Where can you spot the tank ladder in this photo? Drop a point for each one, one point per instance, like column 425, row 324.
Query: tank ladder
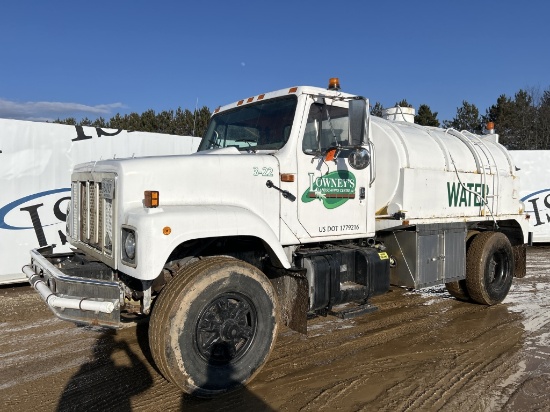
column 491, row 168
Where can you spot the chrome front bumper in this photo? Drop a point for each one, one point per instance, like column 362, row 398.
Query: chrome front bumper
column 83, row 300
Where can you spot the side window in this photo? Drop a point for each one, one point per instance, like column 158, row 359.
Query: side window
column 327, row 126
column 312, row 143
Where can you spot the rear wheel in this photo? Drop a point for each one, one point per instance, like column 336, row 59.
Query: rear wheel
column 458, row 289
column 489, row 268
column 214, row 326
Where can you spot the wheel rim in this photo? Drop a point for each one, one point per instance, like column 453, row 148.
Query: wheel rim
column 226, row 328
column 498, row 267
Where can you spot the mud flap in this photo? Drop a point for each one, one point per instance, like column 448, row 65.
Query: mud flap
column 292, row 293
column 520, row 261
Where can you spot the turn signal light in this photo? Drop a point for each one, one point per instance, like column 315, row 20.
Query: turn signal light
column 151, row 198
column 287, row 177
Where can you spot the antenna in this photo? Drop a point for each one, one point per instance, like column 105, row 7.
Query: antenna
column 195, row 116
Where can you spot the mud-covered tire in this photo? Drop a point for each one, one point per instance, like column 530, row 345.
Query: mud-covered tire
column 489, row 268
column 458, row 290
column 213, row 326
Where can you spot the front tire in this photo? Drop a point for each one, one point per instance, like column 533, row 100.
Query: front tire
column 489, row 268
column 214, row 326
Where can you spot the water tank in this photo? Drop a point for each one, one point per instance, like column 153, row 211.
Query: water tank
column 422, row 171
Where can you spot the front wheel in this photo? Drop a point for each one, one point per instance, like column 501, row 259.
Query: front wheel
column 489, row 268
column 214, row 326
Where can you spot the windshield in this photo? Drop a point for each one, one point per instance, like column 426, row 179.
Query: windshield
column 259, row 126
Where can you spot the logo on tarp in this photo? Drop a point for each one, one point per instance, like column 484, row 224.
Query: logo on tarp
column 540, row 200
column 333, row 189
column 12, row 214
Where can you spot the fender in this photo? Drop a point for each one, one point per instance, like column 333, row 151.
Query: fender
column 153, row 246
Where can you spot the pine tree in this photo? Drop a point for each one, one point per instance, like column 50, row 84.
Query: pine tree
column 201, row 120
column 403, row 103
column 517, row 121
column 525, row 121
column 426, row 117
column 543, row 120
column 467, row 118
column 100, row 122
column 376, row 110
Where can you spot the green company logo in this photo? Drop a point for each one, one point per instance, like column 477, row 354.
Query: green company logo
column 460, row 197
column 333, row 189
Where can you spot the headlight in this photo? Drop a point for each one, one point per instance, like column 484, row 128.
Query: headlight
column 128, row 241
column 130, row 245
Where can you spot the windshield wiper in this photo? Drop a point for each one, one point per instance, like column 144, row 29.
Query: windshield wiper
column 248, row 140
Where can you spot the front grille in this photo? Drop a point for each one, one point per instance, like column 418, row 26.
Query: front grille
column 93, row 213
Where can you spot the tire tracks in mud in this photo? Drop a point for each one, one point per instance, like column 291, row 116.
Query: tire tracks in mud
column 394, row 346
column 420, row 351
column 461, row 371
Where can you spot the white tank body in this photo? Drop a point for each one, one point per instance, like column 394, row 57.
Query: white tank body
column 427, row 172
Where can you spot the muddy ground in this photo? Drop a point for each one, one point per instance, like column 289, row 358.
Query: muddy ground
column 422, row 350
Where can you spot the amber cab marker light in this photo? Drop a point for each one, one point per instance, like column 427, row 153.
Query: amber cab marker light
column 292, row 90
column 151, row 198
column 287, row 177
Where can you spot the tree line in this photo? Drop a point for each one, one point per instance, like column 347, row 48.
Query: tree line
column 179, row 122
column 522, row 121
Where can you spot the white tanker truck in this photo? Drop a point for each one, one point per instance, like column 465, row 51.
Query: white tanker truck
column 298, row 202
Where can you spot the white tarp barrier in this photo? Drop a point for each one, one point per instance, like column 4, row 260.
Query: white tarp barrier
column 534, row 168
column 36, row 160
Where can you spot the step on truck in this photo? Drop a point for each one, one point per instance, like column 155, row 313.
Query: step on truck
column 299, row 202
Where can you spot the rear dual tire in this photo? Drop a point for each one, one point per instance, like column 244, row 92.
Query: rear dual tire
column 489, row 270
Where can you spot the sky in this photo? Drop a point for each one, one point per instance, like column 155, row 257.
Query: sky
column 62, row 59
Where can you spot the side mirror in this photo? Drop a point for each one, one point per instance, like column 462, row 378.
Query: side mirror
column 358, row 121
column 359, row 159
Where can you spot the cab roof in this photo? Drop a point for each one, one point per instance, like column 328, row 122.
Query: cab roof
column 296, row 90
